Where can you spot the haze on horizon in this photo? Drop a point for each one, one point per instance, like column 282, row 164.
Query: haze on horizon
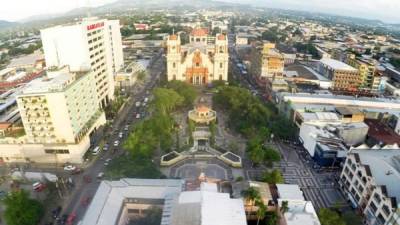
column 385, row 10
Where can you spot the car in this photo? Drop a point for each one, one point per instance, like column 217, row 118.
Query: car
column 107, row 161
column 63, row 219
column 3, row 194
column 76, row 171
column 71, row 218
column 138, row 116
column 69, row 168
column 38, row 186
column 100, row 176
column 56, row 212
column 146, row 99
column 105, row 147
column 96, row 150
column 137, row 104
column 126, row 128
column 120, row 135
column 116, row 143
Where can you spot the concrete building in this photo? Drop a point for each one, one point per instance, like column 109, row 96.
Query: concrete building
column 91, row 44
column 370, row 179
column 127, row 76
column 241, row 40
column 370, row 78
column 58, row 112
column 344, row 77
column 272, row 63
column 120, row 202
column 300, row 211
column 200, row 62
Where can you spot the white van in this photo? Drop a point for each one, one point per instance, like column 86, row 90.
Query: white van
column 96, row 150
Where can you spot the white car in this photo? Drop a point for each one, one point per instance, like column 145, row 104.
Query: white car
column 120, row 134
column 138, row 116
column 70, row 168
column 96, row 150
column 116, row 143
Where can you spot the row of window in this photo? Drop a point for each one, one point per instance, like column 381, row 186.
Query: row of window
column 56, row 151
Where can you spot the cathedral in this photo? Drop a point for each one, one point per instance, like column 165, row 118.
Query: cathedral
column 203, row 60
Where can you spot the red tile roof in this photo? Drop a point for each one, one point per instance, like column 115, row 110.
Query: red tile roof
column 199, row 32
column 382, row 133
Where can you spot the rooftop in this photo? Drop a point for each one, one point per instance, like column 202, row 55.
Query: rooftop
column 109, row 199
column 382, row 133
column 337, row 65
column 290, row 192
column 384, row 165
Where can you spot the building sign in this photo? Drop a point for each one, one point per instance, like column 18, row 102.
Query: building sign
column 94, row 26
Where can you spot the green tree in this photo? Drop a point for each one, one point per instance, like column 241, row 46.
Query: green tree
column 284, row 207
column 273, row 177
column 271, row 218
column 188, row 92
column 330, row 217
column 22, row 210
column 260, row 211
column 271, row 156
column 251, row 195
column 213, row 130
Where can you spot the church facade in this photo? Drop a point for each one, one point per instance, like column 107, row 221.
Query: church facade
column 203, row 60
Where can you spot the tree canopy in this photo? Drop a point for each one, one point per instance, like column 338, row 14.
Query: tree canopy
column 22, row 210
column 273, row 177
column 330, row 217
column 188, row 92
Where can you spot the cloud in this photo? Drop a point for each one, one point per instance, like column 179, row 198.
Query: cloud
column 18, row 9
column 386, row 10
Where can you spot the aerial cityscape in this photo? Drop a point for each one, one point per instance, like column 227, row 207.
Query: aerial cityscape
column 201, row 112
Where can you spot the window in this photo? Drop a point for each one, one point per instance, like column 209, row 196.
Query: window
column 377, row 198
column 372, row 206
column 221, row 65
column 56, row 151
column 386, row 210
column 173, row 65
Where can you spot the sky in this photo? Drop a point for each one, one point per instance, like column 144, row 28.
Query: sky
column 385, row 10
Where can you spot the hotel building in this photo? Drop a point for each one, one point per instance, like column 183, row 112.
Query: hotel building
column 58, row 112
column 91, row 44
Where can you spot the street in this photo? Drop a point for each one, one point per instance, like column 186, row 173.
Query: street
column 83, row 190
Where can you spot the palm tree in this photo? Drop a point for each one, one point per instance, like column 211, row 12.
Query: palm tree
column 261, row 210
column 284, row 207
column 251, row 195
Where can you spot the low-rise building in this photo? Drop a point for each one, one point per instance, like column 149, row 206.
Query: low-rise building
column 370, row 179
column 299, row 211
column 120, row 202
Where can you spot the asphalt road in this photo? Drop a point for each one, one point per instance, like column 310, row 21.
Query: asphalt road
column 83, row 189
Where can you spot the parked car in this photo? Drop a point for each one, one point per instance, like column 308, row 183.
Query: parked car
column 138, row 116
column 96, row 150
column 71, row 218
column 120, row 135
column 56, row 212
column 105, row 147
column 76, row 171
column 69, row 168
column 38, row 186
column 116, row 143
column 100, row 176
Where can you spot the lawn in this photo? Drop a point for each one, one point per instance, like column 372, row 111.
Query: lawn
column 129, row 167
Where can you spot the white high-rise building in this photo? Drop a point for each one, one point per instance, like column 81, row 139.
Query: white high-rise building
column 91, row 44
